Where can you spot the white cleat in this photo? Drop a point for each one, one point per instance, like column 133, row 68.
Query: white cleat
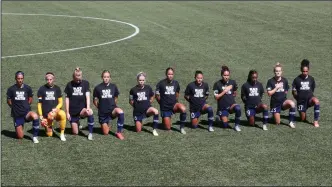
column 211, row 129
column 183, row 131
column 292, row 125
column 90, row 136
column 154, row 132
column 62, row 137
column 265, row 127
column 35, row 140
column 237, row 128
column 80, row 127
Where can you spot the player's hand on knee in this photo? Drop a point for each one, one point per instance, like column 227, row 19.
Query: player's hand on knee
column 68, row 116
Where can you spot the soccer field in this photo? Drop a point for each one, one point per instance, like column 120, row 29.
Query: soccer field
column 129, row 37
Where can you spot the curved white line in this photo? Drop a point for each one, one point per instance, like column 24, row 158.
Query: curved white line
column 76, row 48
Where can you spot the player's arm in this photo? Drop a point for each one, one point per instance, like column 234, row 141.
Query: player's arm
column 218, row 96
column 96, row 102
column 9, row 102
column 294, row 91
column 39, row 107
column 9, row 97
column 151, row 99
column 206, row 91
column 177, row 94
column 187, row 94
column 158, row 93
column 67, row 105
column 116, row 100
column 243, row 94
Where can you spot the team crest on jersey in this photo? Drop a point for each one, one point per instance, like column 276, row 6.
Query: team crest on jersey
column 281, row 89
column 229, row 92
column 169, row 90
column 106, row 93
column 305, row 86
column 19, row 95
column 49, row 95
column 77, row 91
column 199, row 93
column 141, row 96
column 253, row 92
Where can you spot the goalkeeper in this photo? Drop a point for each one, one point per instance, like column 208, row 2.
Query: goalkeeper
column 49, row 106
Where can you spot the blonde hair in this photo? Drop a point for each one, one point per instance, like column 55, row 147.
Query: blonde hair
column 278, row 64
column 141, row 74
column 77, row 72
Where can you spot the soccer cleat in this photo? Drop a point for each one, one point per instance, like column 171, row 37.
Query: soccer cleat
column 183, row 131
column 237, row 128
column 316, row 124
column 154, row 132
column 80, row 127
column 292, row 125
column 90, row 136
column 35, row 140
column 62, row 137
column 211, row 129
column 264, row 127
column 119, row 135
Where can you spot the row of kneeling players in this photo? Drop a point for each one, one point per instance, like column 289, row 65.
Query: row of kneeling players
column 105, row 96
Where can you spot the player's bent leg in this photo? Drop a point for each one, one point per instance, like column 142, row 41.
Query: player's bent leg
column 32, row 116
column 19, row 131
column 105, row 128
column 180, row 108
column 314, row 101
column 138, row 125
column 289, row 104
column 118, row 112
column 74, row 128
column 194, row 122
column 276, row 116
column 49, row 131
column 263, row 108
column 236, row 108
column 167, row 123
column 153, row 111
column 61, row 118
column 207, row 108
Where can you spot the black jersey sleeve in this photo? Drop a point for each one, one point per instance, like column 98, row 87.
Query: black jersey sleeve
column 243, row 93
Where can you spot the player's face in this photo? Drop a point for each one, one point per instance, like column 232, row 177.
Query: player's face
column 78, row 77
column 278, row 71
column 199, row 78
column 19, row 79
column 170, row 75
column 225, row 76
column 106, row 77
column 141, row 81
column 50, row 80
column 305, row 71
column 254, row 77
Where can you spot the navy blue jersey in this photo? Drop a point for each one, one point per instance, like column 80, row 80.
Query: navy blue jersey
column 141, row 98
column 48, row 97
column 76, row 92
column 227, row 100
column 167, row 91
column 20, row 99
column 278, row 98
column 304, row 87
column 197, row 95
column 106, row 94
column 251, row 94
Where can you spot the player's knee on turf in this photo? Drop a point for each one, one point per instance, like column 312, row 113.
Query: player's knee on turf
column 19, row 132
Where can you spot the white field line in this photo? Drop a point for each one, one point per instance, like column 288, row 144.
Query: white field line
column 158, row 24
column 76, row 48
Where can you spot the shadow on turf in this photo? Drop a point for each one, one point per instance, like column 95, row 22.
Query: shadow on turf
column 12, row 134
column 297, row 119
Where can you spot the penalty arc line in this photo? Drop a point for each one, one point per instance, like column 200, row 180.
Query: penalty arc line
column 76, row 48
